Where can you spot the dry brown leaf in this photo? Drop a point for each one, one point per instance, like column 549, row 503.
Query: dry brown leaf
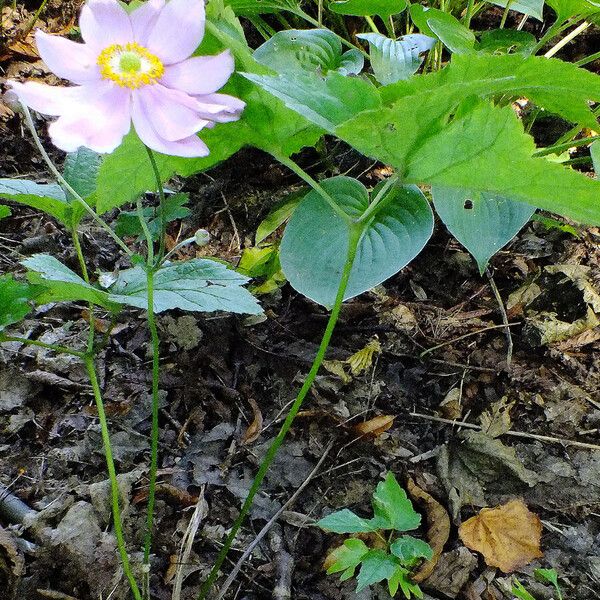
column 438, row 531
column 375, row 426
column 255, row 428
column 508, row 536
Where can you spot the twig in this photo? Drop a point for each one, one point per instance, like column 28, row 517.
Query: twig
column 509, row 340
column 519, row 434
column 261, row 534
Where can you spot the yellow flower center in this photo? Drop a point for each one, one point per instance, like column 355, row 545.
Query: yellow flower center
column 130, row 65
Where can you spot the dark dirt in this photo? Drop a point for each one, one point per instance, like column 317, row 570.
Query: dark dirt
column 214, row 367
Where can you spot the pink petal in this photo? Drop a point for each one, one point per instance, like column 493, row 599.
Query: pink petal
column 178, row 30
column 169, row 112
column 76, row 62
column 99, row 123
column 48, row 99
column 189, row 147
column 200, row 74
column 103, row 23
column 144, row 18
column 220, row 108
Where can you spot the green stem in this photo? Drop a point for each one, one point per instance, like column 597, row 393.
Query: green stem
column 290, row 164
column 505, row 14
column 161, row 196
column 557, row 148
column 54, row 347
column 34, row 19
column 375, row 204
column 371, row 24
column 588, row 59
column 86, row 278
column 469, row 13
column 555, row 29
column 112, row 474
column 568, row 38
column 355, row 234
column 101, row 222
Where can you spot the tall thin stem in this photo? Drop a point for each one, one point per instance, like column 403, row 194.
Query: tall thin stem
column 568, row 38
column 112, row 474
column 355, row 234
column 161, row 196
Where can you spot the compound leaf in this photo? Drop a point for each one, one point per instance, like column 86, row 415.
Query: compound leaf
column 345, row 521
column 347, row 557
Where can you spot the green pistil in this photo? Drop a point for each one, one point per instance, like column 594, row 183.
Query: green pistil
column 130, row 62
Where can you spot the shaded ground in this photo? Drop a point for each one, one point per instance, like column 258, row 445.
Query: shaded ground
column 219, row 372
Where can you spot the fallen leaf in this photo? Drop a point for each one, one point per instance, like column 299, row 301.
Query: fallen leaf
column 255, row 428
column 363, row 359
column 545, row 328
column 508, row 536
column 438, row 530
column 451, row 406
column 496, row 420
column 579, row 275
column 375, row 426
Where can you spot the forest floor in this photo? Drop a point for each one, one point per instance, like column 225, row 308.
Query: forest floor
column 439, row 359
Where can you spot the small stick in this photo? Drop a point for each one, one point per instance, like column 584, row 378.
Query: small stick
column 261, row 534
column 519, row 434
column 509, row 340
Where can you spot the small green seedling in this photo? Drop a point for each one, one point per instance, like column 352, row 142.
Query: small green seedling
column 392, row 512
column 543, row 575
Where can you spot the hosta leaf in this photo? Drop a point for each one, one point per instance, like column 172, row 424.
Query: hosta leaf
column 376, row 566
column 368, row 8
column 195, row 285
column 317, row 50
column 61, row 284
column 15, row 300
column 443, row 26
column 347, row 557
column 392, row 508
column 47, row 197
column 315, row 242
column 395, row 60
column 345, row 521
column 482, row 222
column 409, row 549
column 533, row 8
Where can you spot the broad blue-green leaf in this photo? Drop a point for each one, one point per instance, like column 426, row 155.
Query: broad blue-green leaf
column 443, row 26
column 4, row 211
column 368, row 8
column 15, row 300
column 345, row 521
column 482, row 222
column 195, row 285
column 376, row 566
column 392, row 508
column 395, row 60
column 325, row 101
column 315, row 242
column 316, row 50
column 81, row 171
column 409, row 549
column 47, row 197
column 348, row 557
column 533, row 8
column 61, row 284
column 505, row 41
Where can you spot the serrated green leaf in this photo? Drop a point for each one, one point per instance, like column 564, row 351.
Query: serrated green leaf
column 443, row 26
column 128, row 222
column 81, row 171
column 549, row 576
column 409, row 549
column 15, row 300
column 4, row 211
column 392, row 508
column 60, row 284
column 396, row 60
column 315, row 242
column 376, row 566
column 482, row 222
column 348, row 557
column 345, row 521
column 247, row 8
column 368, row 8
column 47, row 197
column 505, row 41
column 520, row 592
column 316, row 50
column 401, row 579
column 195, row 285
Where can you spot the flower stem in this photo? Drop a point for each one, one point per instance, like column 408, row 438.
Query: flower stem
column 562, row 43
column 162, row 202
column 355, row 234
column 101, row 222
column 112, row 474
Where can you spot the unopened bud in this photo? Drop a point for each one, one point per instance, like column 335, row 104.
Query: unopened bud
column 202, row 237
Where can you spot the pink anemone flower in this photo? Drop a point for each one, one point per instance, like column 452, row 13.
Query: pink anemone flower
column 138, row 68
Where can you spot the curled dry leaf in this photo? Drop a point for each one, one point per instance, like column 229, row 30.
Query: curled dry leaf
column 254, row 429
column 508, row 536
column 438, row 530
column 374, row 427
